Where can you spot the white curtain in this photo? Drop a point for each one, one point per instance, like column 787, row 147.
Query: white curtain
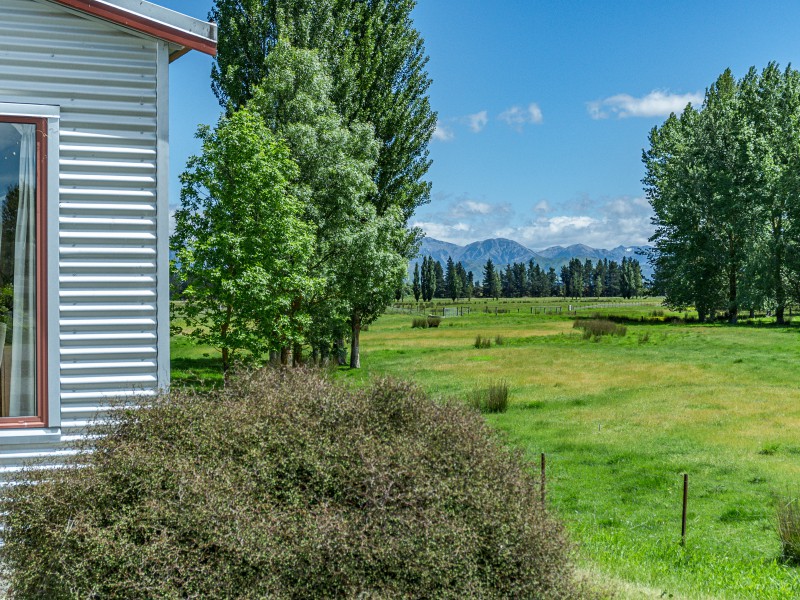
column 22, row 400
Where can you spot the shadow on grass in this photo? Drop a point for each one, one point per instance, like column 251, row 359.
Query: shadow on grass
column 673, row 320
column 201, row 372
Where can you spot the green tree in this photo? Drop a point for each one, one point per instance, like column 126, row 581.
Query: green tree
column 428, row 279
column 372, row 271
column 438, row 274
column 491, row 281
column 702, row 173
column 242, row 247
column 772, row 101
column 334, row 180
column 416, row 286
column 377, row 61
column 598, row 277
column 453, row 281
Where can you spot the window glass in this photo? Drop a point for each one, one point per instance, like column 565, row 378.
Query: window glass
column 18, row 192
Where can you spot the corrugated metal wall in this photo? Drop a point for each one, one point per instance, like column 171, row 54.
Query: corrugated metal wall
column 105, row 81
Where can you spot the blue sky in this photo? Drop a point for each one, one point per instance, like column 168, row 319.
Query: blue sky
column 544, row 107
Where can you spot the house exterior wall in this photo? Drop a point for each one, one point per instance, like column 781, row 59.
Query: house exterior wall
column 108, row 275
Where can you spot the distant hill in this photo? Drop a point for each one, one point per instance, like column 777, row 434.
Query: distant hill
column 503, row 252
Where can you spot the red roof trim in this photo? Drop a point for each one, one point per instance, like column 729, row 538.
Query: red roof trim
column 142, row 24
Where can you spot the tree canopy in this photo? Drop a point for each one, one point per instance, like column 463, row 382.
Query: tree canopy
column 722, row 180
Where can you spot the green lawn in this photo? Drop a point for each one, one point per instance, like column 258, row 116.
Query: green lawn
column 620, row 420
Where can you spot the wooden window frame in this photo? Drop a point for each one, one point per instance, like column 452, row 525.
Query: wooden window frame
column 41, row 419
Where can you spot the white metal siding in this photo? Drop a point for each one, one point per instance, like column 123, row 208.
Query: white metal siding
column 106, row 82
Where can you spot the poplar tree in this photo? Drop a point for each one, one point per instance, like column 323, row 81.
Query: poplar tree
column 491, row 281
column 377, row 61
column 416, row 286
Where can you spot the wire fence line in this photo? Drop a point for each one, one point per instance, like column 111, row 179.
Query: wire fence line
column 427, row 309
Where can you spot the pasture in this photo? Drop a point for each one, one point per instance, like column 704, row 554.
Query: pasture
column 620, row 419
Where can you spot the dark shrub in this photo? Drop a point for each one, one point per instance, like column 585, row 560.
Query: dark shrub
column 482, row 342
column 434, row 321
column 499, row 340
column 286, row 485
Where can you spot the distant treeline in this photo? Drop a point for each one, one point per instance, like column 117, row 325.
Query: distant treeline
column 576, row 280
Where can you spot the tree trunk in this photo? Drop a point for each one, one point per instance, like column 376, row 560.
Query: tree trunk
column 355, row 353
column 285, row 356
column 226, row 362
column 273, row 358
column 752, row 312
column 780, row 292
column 733, row 302
column 297, row 356
column 701, row 313
column 341, row 352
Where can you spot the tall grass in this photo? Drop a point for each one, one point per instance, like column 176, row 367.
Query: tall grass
column 482, row 342
column 493, row 399
column 597, row 328
column 787, row 525
column 425, row 322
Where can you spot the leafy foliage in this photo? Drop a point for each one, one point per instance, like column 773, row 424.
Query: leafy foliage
column 242, row 247
column 285, row 485
column 723, row 183
column 377, row 62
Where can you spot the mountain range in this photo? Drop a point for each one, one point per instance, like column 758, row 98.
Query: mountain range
column 503, row 252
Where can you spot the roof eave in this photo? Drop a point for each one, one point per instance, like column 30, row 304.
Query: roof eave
column 153, row 20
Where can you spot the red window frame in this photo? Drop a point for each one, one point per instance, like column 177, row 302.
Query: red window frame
column 40, row 210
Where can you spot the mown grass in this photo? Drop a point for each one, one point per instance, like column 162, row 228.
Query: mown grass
column 621, row 418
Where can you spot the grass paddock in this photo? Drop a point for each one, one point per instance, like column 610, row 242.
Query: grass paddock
column 621, row 419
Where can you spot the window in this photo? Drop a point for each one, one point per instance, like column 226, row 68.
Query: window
column 23, row 301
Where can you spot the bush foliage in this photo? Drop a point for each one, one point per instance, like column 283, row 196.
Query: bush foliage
column 287, row 485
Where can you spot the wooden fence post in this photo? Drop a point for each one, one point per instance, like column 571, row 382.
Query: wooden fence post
column 685, row 503
column 543, row 481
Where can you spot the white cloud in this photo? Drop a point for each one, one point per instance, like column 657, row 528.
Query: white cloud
column 477, row 121
column 457, row 233
column 518, row 116
column 655, row 104
column 543, row 206
column 471, row 207
column 442, row 133
column 600, row 223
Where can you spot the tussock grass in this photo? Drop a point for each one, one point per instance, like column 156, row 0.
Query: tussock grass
column 492, row 399
column 482, row 342
column 423, row 322
column 787, row 525
column 597, row 327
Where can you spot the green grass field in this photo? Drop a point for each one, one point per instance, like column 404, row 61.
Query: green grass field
column 620, row 420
